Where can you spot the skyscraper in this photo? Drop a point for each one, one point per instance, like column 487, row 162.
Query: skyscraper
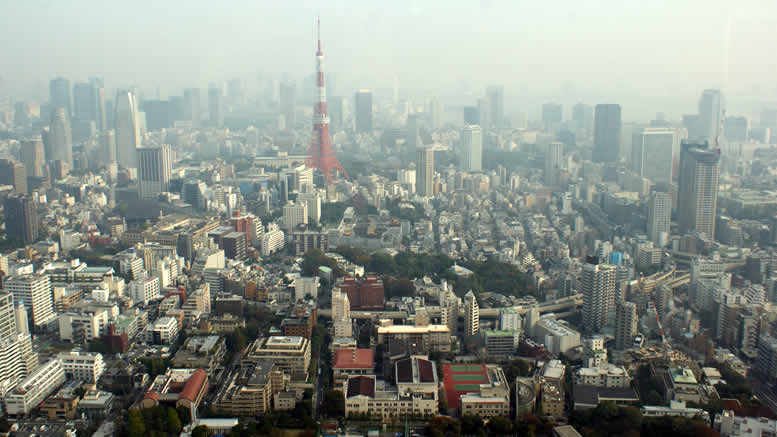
column 33, row 157
column 583, row 116
column 98, row 93
column 651, row 153
column 625, row 324
column 214, row 106
column 471, row 148
column 471, row 115
column 21, row 219
column 496, row 105
column 13, row 173
column 154, row 170
column 554, row 157
column 288, row 97
column 412, row 138
column 711, row 113
column 59, row 95
column 698, row 189
column 736, row 128
column 341, row 314
column 598, row 286
column 659, row 217
column 127, row 130
column 424, row 171
column 607, row 133
column 7, row 317
column 83, row 102
column 35, row 292
column 552, row 116
column 471, row 314
column 108, row 145
column 60, row 137
column 191, row 97
column 336, row 113
column 363, row 111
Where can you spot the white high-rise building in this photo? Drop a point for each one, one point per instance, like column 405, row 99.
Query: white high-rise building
column 509, row 320
column 17, row 360
column 313, row 203
column 272, row 240
column 127, row 129
column 82, row 366
column 652, row 151
column 625, row 324
column 424, row 171
column 598, row 287
column 449, row 309
column 60, row 137
column 145, row 290
column 35, row 388
column 155, row 166
column 341, row 314
column 7, row 316
column 471, row 314
column 659, row 217
column 471, row 148
column 554, row 156
column 295, row 214
column 698, row 189
column 35, row 292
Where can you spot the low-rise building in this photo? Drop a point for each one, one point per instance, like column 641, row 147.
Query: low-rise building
column 249, row 392
column 608, row 375
column 435, row 338
column 366, row 395
column 351, row 362
column 729, row 425
column 501, row 344
column 290, row 354
column 82, row 366
column 164, row 330
column 557, row 337
column 177, row 388
column 201, row 352
column 675, row 408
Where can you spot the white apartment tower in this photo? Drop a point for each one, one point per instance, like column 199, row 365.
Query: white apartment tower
column 341, row 314
column 471, row 314
column 471, row 148
column 424, row 171
column 155, row 166
column 598, row 286
column 35, row 292
column 659, row 217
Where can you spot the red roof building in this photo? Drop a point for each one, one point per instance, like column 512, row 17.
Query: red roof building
column 176, row 388
column 363, row 294
column 352, row 362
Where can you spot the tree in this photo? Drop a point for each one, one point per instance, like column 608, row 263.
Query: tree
column 184, row 414
column 200, row 431
column 236, row 340
column 500, row 425
column 471, row 424
column 137, row 427
column 173, row 421
column 334, row 403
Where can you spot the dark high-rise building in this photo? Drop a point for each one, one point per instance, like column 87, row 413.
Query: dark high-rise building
column 83, row 102
column 177, row 107
column 363, row 111
column 59, row 95
column 698, row 188
column 21, row 219
column 335, row 106
column 288, row 97
column 496, row 105
column 191, row 97
column 471, row 115
column 552, row 116
column 157, row 114
column 607, row 133
column 234, row 245
column 108, row 144
column 412, row 139
column 424, row 171
column 13, row 173
column 214, row 107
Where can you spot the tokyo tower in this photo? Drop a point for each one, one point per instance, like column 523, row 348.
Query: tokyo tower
column 322, row 155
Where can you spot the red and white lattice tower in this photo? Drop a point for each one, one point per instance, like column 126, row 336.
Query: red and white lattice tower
column 322, row 155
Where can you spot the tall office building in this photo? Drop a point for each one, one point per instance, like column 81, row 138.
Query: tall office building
column 21, row 219
column 471, row 314
column 552, row 116
column 698, row 189
column 607, row 133
column 13, row 173
column 98, row 93
column 598, row 286
column 127, row 130
column 736, row 129
column 288, row 97
column 471, row 148
column 554, row 158
column 60, row 137
column 583, row 116
column 711, row 113
column 363, row 111
column 625, row 324
column 33, row 157
column 336, row 113
column 424, row 171
column 496, row 105
column 155, row 166
column 471, row 115
column 659, row 217
column 59, row 95
column 108, row 145
column 214, row 106
column 652, row 150
column 35, row 292
column 192, row 111
column 412, row 139
column 89, row 103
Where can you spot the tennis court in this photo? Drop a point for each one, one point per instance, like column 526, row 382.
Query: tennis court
column 461, row 368
column 475, row 377
column 467, row 387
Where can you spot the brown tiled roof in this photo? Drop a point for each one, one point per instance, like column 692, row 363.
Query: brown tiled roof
column 361, row 385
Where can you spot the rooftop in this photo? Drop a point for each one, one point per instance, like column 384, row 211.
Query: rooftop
column 354, row 359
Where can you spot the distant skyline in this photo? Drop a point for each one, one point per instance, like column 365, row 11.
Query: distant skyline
column 647, row 56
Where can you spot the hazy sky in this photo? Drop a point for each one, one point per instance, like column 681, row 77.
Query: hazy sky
column 655, row 55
